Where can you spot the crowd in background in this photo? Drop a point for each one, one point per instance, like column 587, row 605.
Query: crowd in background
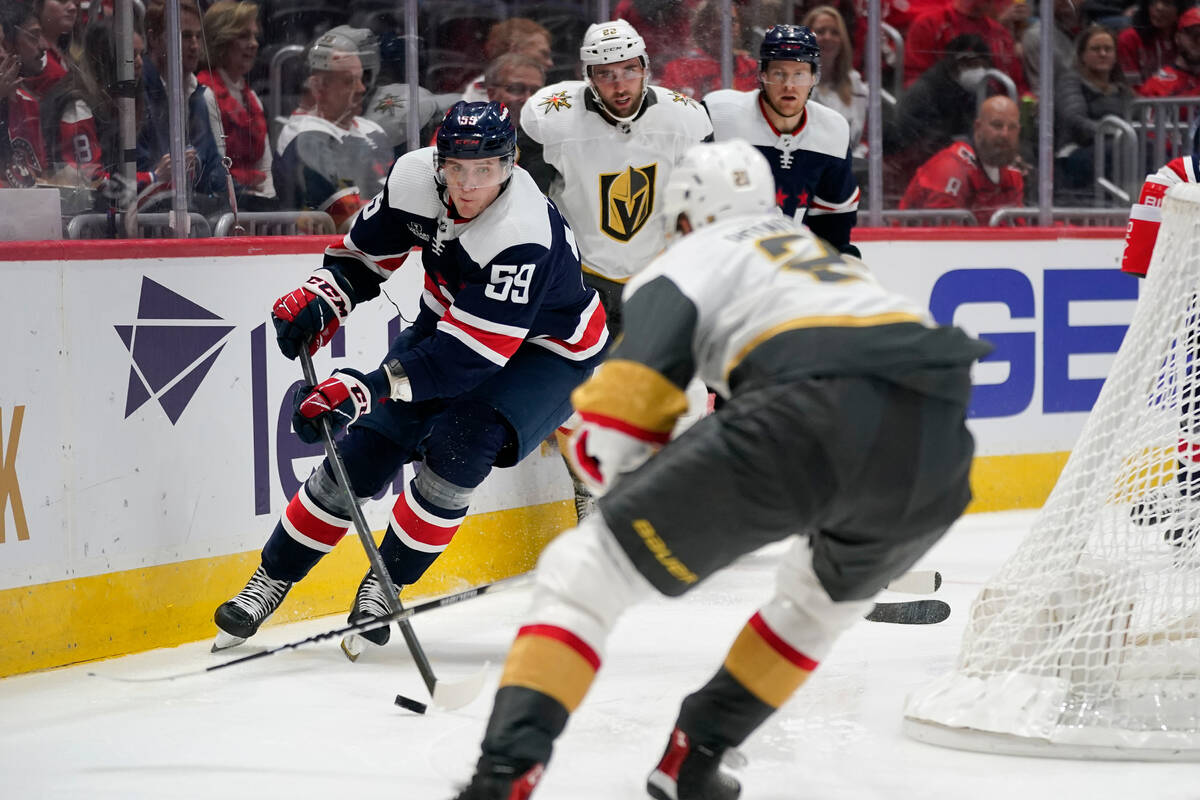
column 342, row 102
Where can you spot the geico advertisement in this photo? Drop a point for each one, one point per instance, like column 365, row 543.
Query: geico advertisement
column 1056, row 312
column 145, row 412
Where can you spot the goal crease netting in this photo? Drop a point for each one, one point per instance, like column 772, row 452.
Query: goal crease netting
column 1086, row 643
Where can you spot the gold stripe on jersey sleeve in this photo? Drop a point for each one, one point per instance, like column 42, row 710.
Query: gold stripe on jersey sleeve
column 634, row 394
column 838, row 321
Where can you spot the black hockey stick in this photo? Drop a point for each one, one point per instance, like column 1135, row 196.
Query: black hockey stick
column 445, row 695
column 912, row 612
column 358, row 627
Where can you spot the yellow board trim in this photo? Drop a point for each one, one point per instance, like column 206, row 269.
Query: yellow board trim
column 836, row 321
column 66, row 622
column 1005, row 483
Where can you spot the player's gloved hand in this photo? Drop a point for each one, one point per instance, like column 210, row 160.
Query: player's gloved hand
column 341, row 398
column 600, row 454
column 311, row 314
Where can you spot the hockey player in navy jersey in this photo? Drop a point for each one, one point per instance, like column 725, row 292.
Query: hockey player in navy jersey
column 844, row 422
column 806, row 144
column 506, row 330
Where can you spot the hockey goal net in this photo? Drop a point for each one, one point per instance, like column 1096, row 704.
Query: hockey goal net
column 1086, row 643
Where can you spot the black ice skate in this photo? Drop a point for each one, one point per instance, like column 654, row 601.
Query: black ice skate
column 689, row 771
column 239, row 618
column 499, row 781
column 369, row 603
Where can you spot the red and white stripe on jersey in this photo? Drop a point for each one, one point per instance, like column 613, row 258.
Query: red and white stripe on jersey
column 437, row 298
column 343, row 205
column 588, row 339
column 492, row 340
column 421, row 529
column 818, row 206
column 382, row 265
column 311, row 525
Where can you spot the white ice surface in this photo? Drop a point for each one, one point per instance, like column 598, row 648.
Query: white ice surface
column 309, row 724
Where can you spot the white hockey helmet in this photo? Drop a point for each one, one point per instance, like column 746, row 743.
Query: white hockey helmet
column 610, row 42
column 323, row 53
column 714, row 181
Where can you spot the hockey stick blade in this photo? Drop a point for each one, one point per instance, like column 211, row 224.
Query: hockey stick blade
column 359, row 627
column 913, row 612
column 454, row 695
column 917, row 581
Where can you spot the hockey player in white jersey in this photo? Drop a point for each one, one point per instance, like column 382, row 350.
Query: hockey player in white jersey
column 807, row 144
column 844, row 423
column 609, row 143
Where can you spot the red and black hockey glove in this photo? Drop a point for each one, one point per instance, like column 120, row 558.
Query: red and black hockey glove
column 311, row 314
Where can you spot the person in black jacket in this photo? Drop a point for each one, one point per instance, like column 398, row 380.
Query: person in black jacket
column 938, row 107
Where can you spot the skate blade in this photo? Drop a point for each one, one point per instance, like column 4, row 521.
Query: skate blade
column 354, row 646
column 224, row 641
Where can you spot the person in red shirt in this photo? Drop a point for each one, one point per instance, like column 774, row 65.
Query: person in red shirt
column 1149, row 43
column 978, row 175
column 932, row 31
column 1181, row 78
column 699, row 72
column 22, row 152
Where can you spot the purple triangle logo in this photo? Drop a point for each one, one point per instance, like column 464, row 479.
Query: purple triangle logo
column 172, row 345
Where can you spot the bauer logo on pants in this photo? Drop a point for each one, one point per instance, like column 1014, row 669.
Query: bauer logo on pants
column 626, row 201
column 173, row 344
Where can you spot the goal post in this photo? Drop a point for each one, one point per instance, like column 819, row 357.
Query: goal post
column 1086, row 642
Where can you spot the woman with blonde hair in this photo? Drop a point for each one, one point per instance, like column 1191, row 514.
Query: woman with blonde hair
column 231, row 31
column 841, row 87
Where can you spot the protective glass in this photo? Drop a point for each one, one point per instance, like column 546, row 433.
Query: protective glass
column 472, row 173
column 800, row 75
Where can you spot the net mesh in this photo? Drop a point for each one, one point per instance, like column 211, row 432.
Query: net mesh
column 1087, row 640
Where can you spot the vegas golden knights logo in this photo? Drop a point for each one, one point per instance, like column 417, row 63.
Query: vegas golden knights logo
column 626, row 201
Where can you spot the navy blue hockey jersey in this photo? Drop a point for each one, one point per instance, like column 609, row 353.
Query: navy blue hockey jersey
column 812, row 166
column 507, row 278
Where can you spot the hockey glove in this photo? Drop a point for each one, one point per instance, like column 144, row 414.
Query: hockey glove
column 311, row 314
column 341, row 398
column 600, row 454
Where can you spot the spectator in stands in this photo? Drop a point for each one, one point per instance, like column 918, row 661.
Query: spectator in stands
column 22, row 152
column 1091, row 88
column 58, row 18
column 512, row 78
column 938, row 108
column 388, row 104
column 206, row 172
column 239, row 122
column 80, row 119
column 1067, row 25
column 1149, row 44
column 514, row 35
column 981, row 174
column 930, row 35
column 664, row 24
column 330, row 158
column 699, row 71
column 841, row 87
column 1180, row 78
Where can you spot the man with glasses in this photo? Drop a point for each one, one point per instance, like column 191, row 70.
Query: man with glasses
column 608, row 144
column 806, row 144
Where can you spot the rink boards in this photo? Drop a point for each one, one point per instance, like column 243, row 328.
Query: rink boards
column 145, row 447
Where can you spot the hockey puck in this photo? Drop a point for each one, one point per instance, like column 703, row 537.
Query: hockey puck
column 410, row 704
